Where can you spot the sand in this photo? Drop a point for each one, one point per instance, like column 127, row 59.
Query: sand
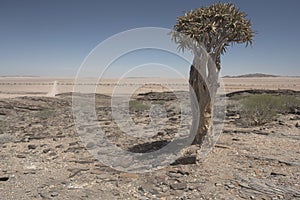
column 49, row 86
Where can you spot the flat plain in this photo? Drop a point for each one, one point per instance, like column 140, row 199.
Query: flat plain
column 39, row 86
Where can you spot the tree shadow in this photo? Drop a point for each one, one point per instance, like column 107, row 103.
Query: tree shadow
column 156, row 145
column 148, row 146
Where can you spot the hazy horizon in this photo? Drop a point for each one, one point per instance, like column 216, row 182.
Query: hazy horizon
column 133, row 77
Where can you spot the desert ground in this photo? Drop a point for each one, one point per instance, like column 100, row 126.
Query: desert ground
column 39, row 86
column 42, row 156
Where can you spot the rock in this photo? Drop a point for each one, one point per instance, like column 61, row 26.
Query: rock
column 59, row 146
column 149, row 188
column 20, row 156
column 84, row 161
column 230, row 186
column 175, row 175
column 277, row 174
column 73, row 143
column 54, row 194
column 295, row 118
column 101, row 175
column 52, row 154
column 173, row 118
column 5, row 178
column 186, row 160
column 46, row 150
column 90, row 145
column 231, row 113
column 32, row 146
column 178, row 186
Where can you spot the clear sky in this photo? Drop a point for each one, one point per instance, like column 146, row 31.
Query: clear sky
column 52, row 37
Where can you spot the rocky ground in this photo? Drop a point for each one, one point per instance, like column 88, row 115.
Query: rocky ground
column 42, row 157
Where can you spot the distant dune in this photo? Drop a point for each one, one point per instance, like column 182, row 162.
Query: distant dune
column 254, row 75
column 20, row 76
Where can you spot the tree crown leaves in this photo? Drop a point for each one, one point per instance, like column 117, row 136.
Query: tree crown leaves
column 216, row 27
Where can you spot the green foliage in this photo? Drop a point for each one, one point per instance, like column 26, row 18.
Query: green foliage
column 137, row 105
column 207, row 23
column 259, row 109
column 215, row 27
column 263, row 108
column 290, row 103
column 45, row 114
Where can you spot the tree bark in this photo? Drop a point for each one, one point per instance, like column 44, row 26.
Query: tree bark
column 203, row 81
column 202, row 114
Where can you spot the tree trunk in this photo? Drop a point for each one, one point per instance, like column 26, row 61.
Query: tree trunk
column 200, row 97
column 204, row 83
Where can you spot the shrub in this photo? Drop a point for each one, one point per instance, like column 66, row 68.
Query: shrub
column 45, row 114
column 260, row 109
column 290, row 103
column 136, row 105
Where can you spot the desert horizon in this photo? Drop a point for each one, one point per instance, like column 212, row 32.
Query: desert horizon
column 41, row 86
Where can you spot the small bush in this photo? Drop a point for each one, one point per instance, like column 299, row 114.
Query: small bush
column 290, row 103
column 45, row 114
column 261, row 108
column 136, row 105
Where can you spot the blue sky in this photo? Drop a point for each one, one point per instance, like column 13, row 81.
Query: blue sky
column 53, row 37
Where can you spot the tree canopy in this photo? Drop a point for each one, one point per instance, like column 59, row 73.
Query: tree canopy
column 215, row 28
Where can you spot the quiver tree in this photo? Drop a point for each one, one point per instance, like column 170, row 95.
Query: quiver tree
column 207, row 32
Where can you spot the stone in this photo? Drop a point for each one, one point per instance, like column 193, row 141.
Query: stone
column 20, row 156
column 5, row 178
column 52, row 154
column 54, row 194
column 178, row 186
column 90, row 145
column 102, row 175
column 32, row 146
column 186, row 160
column 59, row 146
column 46, row 150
